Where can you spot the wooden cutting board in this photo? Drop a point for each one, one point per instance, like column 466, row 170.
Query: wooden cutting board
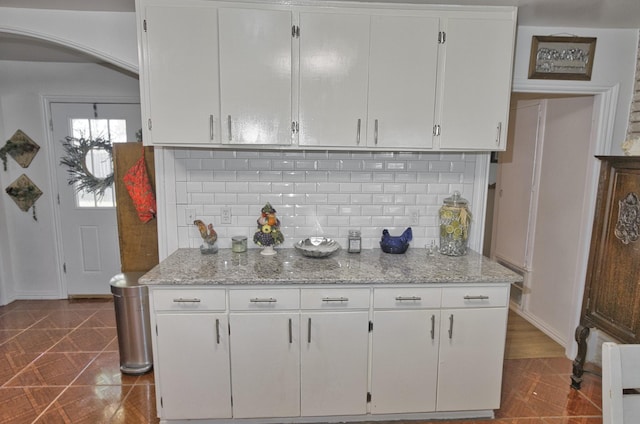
column 138, row 240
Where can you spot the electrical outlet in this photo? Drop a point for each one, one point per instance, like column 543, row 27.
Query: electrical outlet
column 190, row 215
column 226, row 215
column 415, row 217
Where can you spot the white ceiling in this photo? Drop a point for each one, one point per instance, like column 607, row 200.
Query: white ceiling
column 549, row 13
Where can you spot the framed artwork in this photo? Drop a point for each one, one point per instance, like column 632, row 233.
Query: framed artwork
column 561, row 58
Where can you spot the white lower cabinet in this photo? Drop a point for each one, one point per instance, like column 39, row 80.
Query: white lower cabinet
column 404, row 368
column 191, row 347
column 334, row 363
column 320, row 352
column 472, row 341
column 265, row 352
column 265, row 364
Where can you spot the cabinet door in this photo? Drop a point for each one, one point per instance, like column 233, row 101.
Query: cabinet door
column 470, row 361
column 404, row 369
column 255, row 76
column 402, row 81
column 334, row 61
column 265, row 364
column 476, row 83
column 180, row 74
column 193, row 366
column 334, row 363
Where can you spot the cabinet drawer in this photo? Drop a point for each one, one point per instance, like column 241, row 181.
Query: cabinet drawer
column 189, row 299
column 475, row 297
column 264, row 299
column 407, row 298
column 332, row 298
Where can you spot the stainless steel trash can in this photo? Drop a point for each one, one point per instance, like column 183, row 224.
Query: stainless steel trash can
column 131, row 302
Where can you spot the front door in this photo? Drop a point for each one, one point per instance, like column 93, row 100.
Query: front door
column 87, row 221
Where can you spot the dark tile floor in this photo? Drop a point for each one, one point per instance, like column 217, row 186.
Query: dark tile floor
column 59, row 364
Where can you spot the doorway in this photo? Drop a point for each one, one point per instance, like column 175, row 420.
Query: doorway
column 88, row 226
column 538, row 221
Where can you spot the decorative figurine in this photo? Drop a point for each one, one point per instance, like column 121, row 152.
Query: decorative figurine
column 268, row 234
column 396, row 244
column 209, row 236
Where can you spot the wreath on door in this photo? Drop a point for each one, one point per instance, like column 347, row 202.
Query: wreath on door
column 79, row 175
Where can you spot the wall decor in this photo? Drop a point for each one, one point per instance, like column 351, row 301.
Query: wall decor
column 79, row 175
column 24, row 192
column 21, row 148
column 561, row 58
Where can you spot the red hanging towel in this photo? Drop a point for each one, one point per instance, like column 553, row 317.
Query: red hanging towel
column 136, row 179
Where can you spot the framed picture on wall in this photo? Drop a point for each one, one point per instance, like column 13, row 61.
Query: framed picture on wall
column 561, row 58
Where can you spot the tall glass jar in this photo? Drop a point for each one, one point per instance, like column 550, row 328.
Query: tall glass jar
column 455, row 220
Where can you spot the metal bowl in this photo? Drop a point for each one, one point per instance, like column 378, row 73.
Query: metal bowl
column 317, row 247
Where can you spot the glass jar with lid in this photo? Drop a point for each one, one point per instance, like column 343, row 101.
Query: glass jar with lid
column 455, row 221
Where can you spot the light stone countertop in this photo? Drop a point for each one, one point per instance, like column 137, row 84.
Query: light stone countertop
column 289, row 267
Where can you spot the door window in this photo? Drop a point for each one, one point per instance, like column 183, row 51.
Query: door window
column 98, row 161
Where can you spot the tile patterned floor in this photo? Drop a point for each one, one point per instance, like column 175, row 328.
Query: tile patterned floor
column 59, row 363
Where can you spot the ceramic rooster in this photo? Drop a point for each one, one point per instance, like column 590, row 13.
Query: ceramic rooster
column 209, row 236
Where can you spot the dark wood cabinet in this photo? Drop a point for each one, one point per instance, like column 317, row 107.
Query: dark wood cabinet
column 612, row 289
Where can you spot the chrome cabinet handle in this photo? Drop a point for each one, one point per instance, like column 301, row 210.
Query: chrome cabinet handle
column 358, row 132
column 217, row 331
column 499, row 133
column 290, row 332
column 211, row 127
column 375, row 132
column 183, row 300
column 433, row 327
column 405, row 298
column 229, row 126
column 263, row 300
column 451, row 326
column 480, row 297
column 309, row 331
column 335, row 299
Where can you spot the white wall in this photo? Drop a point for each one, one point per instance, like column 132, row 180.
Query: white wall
column 109, row 36
column 613, row 68
column 29, row 248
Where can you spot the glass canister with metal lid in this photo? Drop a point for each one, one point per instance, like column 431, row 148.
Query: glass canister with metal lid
column 455, row 220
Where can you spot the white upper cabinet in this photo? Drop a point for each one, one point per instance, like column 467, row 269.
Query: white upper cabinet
column 334, row 64
column 402, row 81
column 179, row 73
column 255, row 76
column 476, row 82
column 315, row 76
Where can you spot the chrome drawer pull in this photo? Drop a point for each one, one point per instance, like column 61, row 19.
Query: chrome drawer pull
column 183, row 300
column 451, row 326
column 290, row 332
column 263, row 300
column 217, row 331
column 335, row 299
column 405, row 298
column 481, row 297
column 309, row 331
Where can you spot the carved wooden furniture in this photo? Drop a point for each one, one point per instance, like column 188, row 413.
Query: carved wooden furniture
column 612, row 293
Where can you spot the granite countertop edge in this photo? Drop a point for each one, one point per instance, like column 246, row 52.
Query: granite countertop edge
column 188, row 267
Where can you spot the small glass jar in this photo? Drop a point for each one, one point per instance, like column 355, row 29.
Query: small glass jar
column 355, row 242
column 239, row 244
column 455, row 220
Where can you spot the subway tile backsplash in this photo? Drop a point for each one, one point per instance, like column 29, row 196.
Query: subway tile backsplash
column 318, row 193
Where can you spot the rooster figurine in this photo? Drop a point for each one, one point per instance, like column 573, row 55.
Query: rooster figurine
column 209, row 236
